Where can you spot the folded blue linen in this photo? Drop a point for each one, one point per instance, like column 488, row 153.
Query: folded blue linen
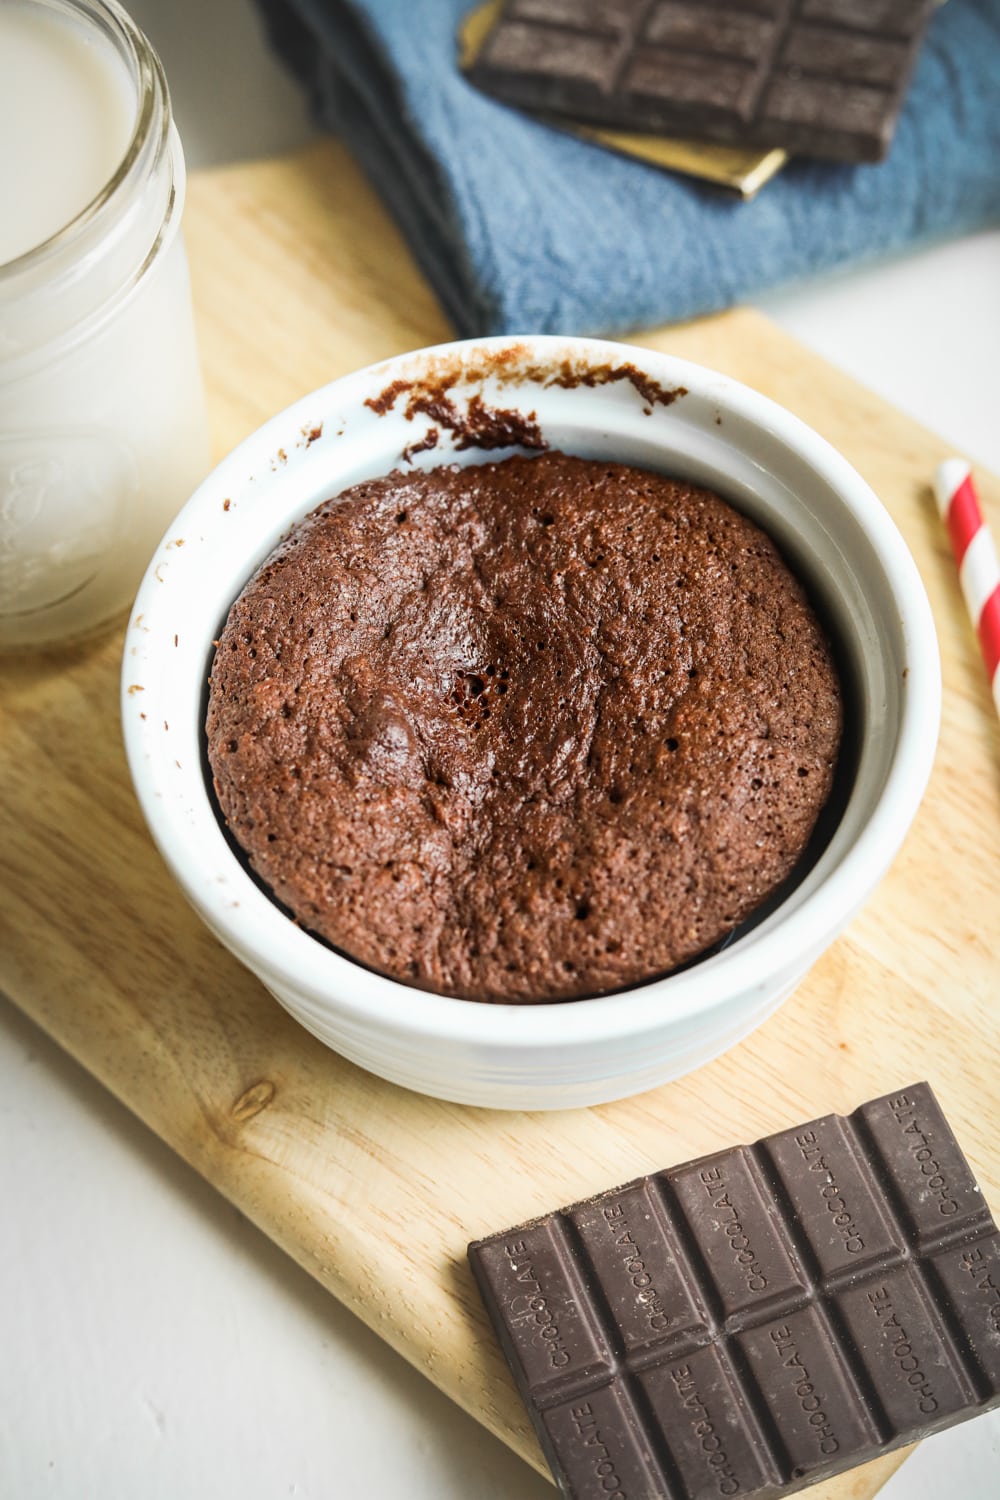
column 523, row 228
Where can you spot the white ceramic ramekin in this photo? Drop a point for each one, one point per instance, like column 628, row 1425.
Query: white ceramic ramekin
column 598, row 400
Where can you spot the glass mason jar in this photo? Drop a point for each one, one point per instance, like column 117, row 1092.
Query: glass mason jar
column 103, row 433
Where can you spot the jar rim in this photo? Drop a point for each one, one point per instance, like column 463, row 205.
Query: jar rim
column 152, row 110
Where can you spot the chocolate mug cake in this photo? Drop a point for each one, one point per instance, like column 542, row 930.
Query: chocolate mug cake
column 523, row 731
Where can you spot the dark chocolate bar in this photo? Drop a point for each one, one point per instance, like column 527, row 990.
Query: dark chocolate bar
column 815, row 77
column 760, row 1319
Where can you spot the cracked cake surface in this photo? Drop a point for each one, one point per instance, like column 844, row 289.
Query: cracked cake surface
column 523, row 731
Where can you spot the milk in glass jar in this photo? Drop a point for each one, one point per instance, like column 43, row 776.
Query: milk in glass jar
column 102, row 420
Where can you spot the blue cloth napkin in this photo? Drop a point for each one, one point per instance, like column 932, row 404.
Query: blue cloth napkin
column 521, row 228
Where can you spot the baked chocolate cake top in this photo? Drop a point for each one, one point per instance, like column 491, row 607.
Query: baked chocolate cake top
column 525, row 731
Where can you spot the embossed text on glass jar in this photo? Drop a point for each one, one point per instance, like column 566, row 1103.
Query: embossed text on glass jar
column 102, row 421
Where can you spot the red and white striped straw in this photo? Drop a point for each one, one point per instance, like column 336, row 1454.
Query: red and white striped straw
column 975, row 553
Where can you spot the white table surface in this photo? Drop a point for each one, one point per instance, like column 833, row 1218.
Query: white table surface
column 153, row 1343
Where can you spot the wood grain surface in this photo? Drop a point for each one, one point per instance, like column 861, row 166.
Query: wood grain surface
column 298, row 277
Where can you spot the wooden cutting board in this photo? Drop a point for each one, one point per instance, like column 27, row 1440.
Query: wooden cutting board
column 298, row 277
